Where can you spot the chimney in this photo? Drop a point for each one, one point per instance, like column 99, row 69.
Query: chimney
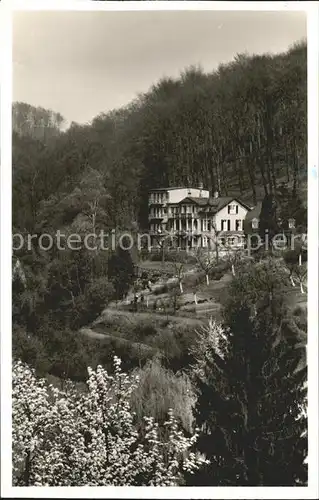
column 216, row 195
column 200, row 187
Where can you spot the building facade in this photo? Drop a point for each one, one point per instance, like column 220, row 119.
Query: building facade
column 190, row 218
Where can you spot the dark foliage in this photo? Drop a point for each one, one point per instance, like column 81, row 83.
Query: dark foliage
column 250, row 394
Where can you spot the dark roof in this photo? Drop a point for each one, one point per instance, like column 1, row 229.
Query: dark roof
column 193, row 199
column 165, row 189
column 254, row 213
column 214, row 204
column 178, row 187
column 218, row 203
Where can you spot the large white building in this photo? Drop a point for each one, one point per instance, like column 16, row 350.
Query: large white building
column 194, row 217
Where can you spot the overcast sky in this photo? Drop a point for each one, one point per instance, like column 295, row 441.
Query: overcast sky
column 84, row 63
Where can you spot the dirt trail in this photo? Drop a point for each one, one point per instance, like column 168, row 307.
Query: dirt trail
column 113, row 313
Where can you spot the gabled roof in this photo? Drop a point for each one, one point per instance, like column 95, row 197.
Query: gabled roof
column 216, row 204
column 178, row 187
column 213, row 204
column 194, row 200
column 165, row 189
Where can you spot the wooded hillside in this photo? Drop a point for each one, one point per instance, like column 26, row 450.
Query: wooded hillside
column 240, row 130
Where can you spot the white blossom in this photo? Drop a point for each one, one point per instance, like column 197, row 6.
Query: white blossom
column 68, row 438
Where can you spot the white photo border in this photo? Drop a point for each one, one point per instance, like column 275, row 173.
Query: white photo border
column 7, row 7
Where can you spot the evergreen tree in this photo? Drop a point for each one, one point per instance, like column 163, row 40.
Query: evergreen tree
column 121, row 270
column 252, row 392
column 268, row 225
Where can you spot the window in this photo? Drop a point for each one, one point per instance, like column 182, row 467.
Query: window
column 225, row 225
column 291, row 223
column 238, row 225
column 255, row 223
column 233, row 209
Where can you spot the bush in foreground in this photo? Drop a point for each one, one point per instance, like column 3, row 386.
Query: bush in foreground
column 71, row 438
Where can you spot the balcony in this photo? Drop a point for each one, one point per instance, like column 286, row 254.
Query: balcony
column 159, row 218
column 163, row 203
column 158, row 235
column 187, row 216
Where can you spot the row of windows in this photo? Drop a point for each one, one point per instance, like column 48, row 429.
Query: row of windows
column 193, row 209
column 206, row 225
column 158, row 197
column 158, row 212
column 226, row 225
column 156, row 227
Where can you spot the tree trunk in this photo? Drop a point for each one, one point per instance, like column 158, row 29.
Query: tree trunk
column 207, row 279
column 251, row 174
column 27, row 470
column 262, row 171
column 292, row 281
column 195, row 298
column 218, row 176
column 301, row 287
column 72, row 298
column 181, row 286
column 295, row 168
column 233, row 270
column 300, row 259
column 163, row 254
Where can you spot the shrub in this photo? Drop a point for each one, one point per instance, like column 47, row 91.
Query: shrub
column 98, row 294
column 159, row 390
column 30, row 349
column 160, row 290
column 291, row 257
column 142, row 331
column 218, row 271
